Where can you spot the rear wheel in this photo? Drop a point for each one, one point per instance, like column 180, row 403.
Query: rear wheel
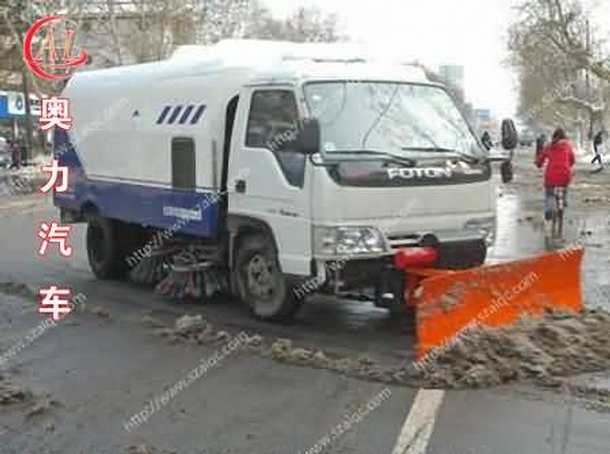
column 260, row 281
column 105, row 248
column 558, row 211
column 557, row 224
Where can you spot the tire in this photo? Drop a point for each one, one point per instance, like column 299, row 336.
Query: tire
column 260, row 282
column 510, row 138
column 390, row 282
column 398, row 310
column 506, row 171
column 105, row 249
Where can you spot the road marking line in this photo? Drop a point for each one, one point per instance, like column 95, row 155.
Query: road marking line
column 417, row 429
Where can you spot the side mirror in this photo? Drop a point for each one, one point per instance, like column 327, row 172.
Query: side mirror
column 510, row 138
column 309, row 137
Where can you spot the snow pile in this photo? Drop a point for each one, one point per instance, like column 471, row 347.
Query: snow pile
column 24, row 181
column 538, row 350
column 146, row 449
column 140, row 449
column 11, row 394
column 189, row 328
column 24, row 291
column 532, row 350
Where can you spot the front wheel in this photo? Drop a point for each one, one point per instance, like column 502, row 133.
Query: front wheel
column 260, row 281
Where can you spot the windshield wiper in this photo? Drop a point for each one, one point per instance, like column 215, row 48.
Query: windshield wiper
column 370, row 153
column 465, row 156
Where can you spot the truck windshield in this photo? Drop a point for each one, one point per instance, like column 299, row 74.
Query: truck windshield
column 397, row 118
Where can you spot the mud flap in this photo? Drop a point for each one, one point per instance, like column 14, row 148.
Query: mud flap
column 449, row 303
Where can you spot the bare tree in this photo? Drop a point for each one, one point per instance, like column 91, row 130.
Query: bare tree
column 563, row 71
column 304, row 25
column 119, row 32
column 13, row 25
column 15, row 20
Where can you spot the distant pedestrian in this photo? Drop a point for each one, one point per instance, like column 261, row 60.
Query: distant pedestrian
column 15, row 150
column 540, row 144
column 23, row 152
column 486, row 140
column 598, row 147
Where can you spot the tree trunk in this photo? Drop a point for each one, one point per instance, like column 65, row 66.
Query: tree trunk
column 28, row 118
column 591, row 132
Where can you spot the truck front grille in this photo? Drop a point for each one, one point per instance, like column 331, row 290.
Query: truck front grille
column 400, row 241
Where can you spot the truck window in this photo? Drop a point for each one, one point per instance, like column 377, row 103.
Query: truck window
column 183, row 163
column 273, row 124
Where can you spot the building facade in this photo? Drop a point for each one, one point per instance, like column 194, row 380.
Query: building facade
column 453, row 74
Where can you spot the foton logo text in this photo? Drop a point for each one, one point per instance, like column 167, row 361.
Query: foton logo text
column 420, row 172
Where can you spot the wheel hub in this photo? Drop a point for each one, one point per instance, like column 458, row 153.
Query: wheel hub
column 259, row 273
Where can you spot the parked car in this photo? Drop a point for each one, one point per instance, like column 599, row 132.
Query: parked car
column 526, row 139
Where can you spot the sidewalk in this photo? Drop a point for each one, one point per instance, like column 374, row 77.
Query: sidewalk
column 585, row 154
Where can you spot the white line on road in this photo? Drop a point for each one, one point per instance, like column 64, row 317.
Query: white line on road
column 417, row 429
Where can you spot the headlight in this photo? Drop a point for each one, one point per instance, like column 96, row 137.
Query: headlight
column 486, row 228
column 346, row 241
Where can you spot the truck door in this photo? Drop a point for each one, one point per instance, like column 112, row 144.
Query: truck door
column 268, row 175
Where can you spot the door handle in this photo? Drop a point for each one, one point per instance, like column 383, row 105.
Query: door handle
column 240, row 186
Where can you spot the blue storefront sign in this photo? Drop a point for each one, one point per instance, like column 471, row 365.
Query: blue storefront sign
column 12, row 105
column 3, row 107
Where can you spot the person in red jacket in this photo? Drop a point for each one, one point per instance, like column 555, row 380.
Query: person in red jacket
column 559, row 159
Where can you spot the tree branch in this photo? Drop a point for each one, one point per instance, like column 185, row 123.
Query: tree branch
column 581, row 104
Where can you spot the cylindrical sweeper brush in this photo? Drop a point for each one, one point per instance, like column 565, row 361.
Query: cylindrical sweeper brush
column 152, row 269
column 191, row 275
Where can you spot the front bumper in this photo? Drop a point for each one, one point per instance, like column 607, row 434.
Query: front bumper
column 357, row 273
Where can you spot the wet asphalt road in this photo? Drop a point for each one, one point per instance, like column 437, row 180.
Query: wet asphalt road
column 104, row 370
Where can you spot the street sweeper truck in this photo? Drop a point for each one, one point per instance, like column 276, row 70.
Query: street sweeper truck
column 296, row 168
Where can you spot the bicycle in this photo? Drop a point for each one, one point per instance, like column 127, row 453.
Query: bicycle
column 559, row 199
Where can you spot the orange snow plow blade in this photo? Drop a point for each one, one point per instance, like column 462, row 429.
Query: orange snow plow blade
column 450, row 302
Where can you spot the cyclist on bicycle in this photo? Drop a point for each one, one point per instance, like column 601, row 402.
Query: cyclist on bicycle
column 559, row 159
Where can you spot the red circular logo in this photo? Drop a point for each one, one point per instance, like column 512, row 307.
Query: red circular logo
column 54, row 56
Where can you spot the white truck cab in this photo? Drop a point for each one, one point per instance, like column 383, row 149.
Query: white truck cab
column 308, row 169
